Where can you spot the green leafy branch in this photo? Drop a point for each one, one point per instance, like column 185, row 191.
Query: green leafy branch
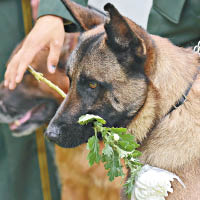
column 119, row 145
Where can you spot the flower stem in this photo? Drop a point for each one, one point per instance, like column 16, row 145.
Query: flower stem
column 40, row 77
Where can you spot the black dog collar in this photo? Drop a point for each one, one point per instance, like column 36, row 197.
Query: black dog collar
column 184, row 96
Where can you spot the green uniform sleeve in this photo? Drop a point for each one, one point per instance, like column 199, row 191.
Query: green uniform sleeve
column 56, row 7
column 177, row 20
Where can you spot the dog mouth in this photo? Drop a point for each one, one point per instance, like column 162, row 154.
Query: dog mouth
column 36, row 115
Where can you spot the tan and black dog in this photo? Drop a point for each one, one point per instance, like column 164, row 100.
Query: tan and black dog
column 32, row 104
column 140, row 81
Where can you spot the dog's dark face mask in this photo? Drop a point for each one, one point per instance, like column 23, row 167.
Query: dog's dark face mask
column 107, row 79
column 26, row 108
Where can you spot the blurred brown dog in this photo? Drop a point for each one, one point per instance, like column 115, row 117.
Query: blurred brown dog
column 35, row 103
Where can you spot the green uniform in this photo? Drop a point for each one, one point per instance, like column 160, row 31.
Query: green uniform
column 178, row 20
column 57, row 8
column 19, row 167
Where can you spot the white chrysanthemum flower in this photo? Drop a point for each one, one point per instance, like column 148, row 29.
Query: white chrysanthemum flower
column 152, row 183
column 116, row 137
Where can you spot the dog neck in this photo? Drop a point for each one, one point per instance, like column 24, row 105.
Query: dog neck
column 168, row 143
column 171, row 141
column 142, row 124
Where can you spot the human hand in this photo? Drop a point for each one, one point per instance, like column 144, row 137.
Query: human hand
column 48, row 32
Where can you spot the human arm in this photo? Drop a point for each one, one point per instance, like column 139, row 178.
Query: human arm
column 179, row 22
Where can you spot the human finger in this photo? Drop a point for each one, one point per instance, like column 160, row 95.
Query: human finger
column 23, row 65
column 11, row 73
column 54, row 54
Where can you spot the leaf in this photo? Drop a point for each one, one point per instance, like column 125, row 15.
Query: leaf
column 129, row 187
column 118, row 145
column 136, row 154
column 93, row 146
column 124, row 154
column 118, row 130
column 85, row 119
column 131, row 180
column 127, row 142
column 127, row 137
column 107, row 150
column 113, row 165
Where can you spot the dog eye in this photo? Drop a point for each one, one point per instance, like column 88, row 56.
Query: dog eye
column 92, row 85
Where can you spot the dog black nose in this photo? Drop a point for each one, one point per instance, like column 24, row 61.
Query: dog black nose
column 52, row 133
column 52, row 136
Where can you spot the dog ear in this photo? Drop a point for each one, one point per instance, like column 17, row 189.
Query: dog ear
column 122, row 38
column 87, row 18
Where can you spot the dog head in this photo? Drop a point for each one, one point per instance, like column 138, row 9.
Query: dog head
column 33, row 103
column 107, row 73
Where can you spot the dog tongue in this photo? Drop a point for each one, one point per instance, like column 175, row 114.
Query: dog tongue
column 19, row 122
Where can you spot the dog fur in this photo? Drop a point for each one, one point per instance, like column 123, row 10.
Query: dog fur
column 139, row 78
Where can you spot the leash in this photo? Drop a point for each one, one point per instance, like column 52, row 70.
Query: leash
column 41, row 148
